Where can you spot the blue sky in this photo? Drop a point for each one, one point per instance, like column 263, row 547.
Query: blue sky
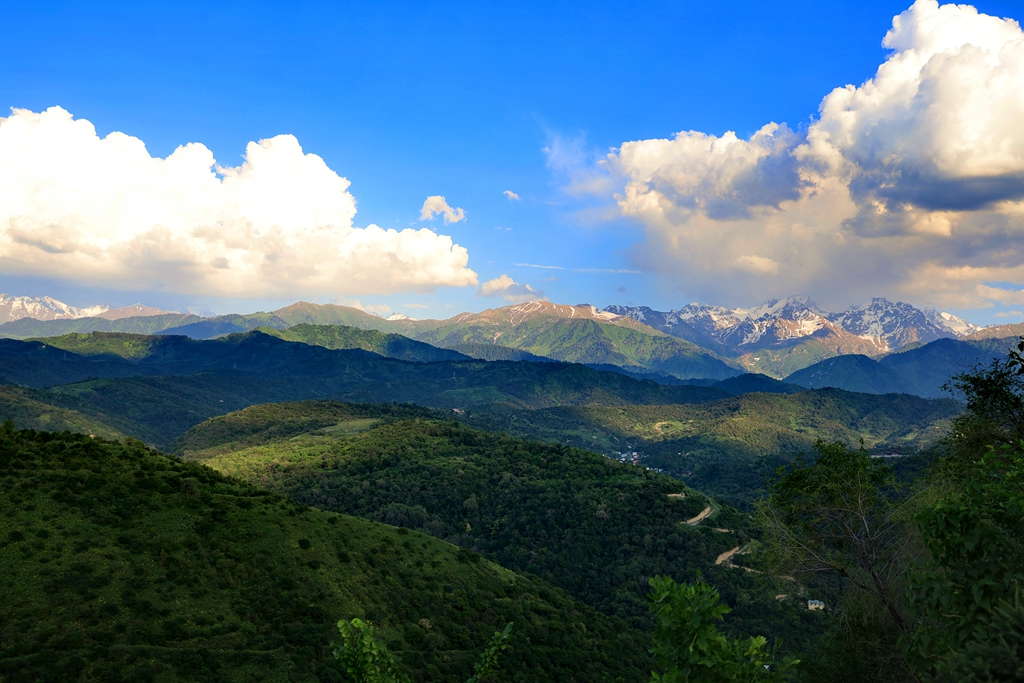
column 409, row 100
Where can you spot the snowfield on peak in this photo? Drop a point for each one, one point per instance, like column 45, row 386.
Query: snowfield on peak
column 879, row 326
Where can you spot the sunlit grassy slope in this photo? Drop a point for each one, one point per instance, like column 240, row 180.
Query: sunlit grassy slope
column 723, row 444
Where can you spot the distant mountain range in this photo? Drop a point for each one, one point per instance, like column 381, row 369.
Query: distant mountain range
column 47, row 308
column 778, row 338
column 782, row 336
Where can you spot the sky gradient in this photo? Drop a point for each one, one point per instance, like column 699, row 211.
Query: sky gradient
column 408, row 101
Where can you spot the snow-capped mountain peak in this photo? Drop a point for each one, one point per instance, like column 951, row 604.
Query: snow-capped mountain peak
column 956, row 324
column 47, row 308
column 894, row 325
column 875, row 327
column 797, row 306
column 42, row 308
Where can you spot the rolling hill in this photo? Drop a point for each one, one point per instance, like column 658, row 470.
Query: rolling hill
column 921, row 371
column 725, row 447
column 388, row 345
column 155, row 387
column 579, row 334
column 119, row 563
column 28, row 409
column 589, row 525
column 27, row 328
column 576, row 334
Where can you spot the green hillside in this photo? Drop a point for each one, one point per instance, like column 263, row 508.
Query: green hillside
column 585, row 341
column 155, row 388
column 209, row 328
column 587, row 524
column 24, row 408
column 332, row 314
column 119, row 563
column 565, row 333
column 921, row 370
column 29, row 327
column 265, row 423
column 788, row 358
column 383, row 344
column 493, row 352
column 726, row 446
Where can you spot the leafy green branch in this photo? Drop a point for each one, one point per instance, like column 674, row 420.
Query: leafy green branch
column 691, row 649
column 364, row 658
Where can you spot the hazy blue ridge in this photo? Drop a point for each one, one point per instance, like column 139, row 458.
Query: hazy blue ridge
column 921, row 371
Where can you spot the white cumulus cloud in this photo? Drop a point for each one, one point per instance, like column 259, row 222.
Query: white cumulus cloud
column 436, row 205
column 910, row 184
column 510, row 290
column 104, row 211
column 512, row 196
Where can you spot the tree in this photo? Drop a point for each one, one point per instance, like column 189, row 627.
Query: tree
column 843, row 524
column 996, row 659
column 363, row 657
column 975, row 539
column 691, row 649
column 843, row 515
column 366, row 659
column 993, row 416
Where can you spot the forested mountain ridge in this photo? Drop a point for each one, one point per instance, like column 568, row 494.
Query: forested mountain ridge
column 156, row 387
column 388, row 345
column 580, row 334
column 726, row 447
column 26, row 328
column 567, row 333
column 922, row 370
column 592, row 526
column 778, row 338
column 119, row 563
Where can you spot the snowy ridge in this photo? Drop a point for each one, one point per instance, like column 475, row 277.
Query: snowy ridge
column 42, row 308
column 47, row 308
column 878, row 326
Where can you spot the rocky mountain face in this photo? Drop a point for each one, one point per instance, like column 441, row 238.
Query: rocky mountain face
column 42, row 308
column 784, row 335
column 880, row 325
column 47, row 308
column 133, row 311
column 777, row 338
column 896, row 325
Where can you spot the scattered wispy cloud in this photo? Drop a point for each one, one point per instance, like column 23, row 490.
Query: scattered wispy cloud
column 574, row 162
column 436, row 205
column 1009, row 314
column 104, row 212
column 534, row 265
column 377, row 309
column 910, row 184
column 498, row 227
column 626, row 271
column 1002, row 295
column 512, row 196
column 510, row 290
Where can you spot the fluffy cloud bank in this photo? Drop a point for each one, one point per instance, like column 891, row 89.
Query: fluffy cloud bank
column 911, row 184
column 510, row 290
column 103, row 211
